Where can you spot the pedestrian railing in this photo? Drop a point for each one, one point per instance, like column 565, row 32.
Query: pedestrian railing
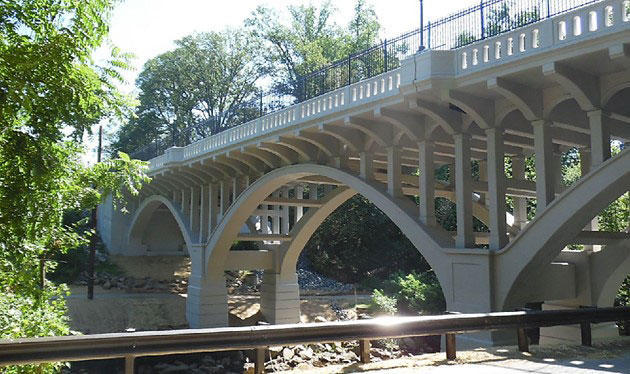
column 259, row 338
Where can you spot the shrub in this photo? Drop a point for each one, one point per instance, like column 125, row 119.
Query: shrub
column 382, row 303
column 27, row 316
column 414, row 293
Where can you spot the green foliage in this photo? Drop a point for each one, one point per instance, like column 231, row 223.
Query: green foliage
column 413, row 293
column 26, row 316
column 383, row 304
column 351, row 243
column 309, row 40
column 464, row 38
column 207, row 76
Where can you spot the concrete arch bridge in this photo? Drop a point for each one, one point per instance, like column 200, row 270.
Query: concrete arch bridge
column 537, row 91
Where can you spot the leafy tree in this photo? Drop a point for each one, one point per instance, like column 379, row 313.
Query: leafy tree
column 310, row 40
column 209, row 78
column 351, row 243
column 49, row 85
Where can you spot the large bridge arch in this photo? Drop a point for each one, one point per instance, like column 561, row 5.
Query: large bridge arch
column 402, row 211
column 544, row 238
column 142, row 217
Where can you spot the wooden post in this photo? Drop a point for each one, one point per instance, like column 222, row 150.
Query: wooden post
column 130, row 364
column 523, row 343
column 364, row 350
column 259, row 364
column 451, row 347
column 585, row 330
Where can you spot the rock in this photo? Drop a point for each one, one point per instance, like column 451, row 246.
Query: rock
column 288, row 354
column 248, row 370
column 320, row 319
column 275, row 351
column 350, row 356
column 306, row 353
column 303, row 366
column 107, row 285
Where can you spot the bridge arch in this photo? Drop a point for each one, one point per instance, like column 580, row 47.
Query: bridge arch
column 543, row 239
column 402, row 211
column 142, row 217
column 609, row 268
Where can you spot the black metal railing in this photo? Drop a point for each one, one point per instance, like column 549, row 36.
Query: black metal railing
column 484, row 20
column 159, row 343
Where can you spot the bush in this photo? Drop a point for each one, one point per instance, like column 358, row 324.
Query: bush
column 382, row 303
column 27, row 316
column 414, row 293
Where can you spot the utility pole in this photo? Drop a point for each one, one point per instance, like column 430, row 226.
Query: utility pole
column 92, row 257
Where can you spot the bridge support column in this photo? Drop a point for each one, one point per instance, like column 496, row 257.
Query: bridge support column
column 195, row 213
column 427, row 183
column 600, row 138
column 520, row 203
column 366, row 165
column 225, row 197
column 545, row 192
column 280, row 298
column 285, row 212
column 463, row 191
column 299, row 210
column 206, row 304
column 394, row 171
column 496, row 189
column 213, row 201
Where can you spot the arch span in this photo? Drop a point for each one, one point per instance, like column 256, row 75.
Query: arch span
column 142, row 216
column 402, row 211
column 544, row 238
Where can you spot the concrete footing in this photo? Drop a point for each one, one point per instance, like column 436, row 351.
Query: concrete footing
column 207, row 304
column 280, row 298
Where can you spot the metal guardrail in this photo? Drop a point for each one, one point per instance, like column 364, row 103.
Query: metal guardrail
column 158, row 343
column 487, row 19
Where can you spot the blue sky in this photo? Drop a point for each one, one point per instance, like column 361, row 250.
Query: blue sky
column 147, row 28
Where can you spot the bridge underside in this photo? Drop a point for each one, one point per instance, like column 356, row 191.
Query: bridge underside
column 274, row 180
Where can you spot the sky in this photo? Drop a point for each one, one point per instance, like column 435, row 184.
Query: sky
column 148, row 28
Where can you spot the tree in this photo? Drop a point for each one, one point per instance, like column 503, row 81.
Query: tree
column 49, row 85
column 351, row 243
column 206, row 83
column 310, row 40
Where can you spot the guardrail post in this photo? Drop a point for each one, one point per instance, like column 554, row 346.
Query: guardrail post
column 523, row 342
column 259, row 364
column 130, row 363
column 364, row 350
column 451, row 350
column 585, row 332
